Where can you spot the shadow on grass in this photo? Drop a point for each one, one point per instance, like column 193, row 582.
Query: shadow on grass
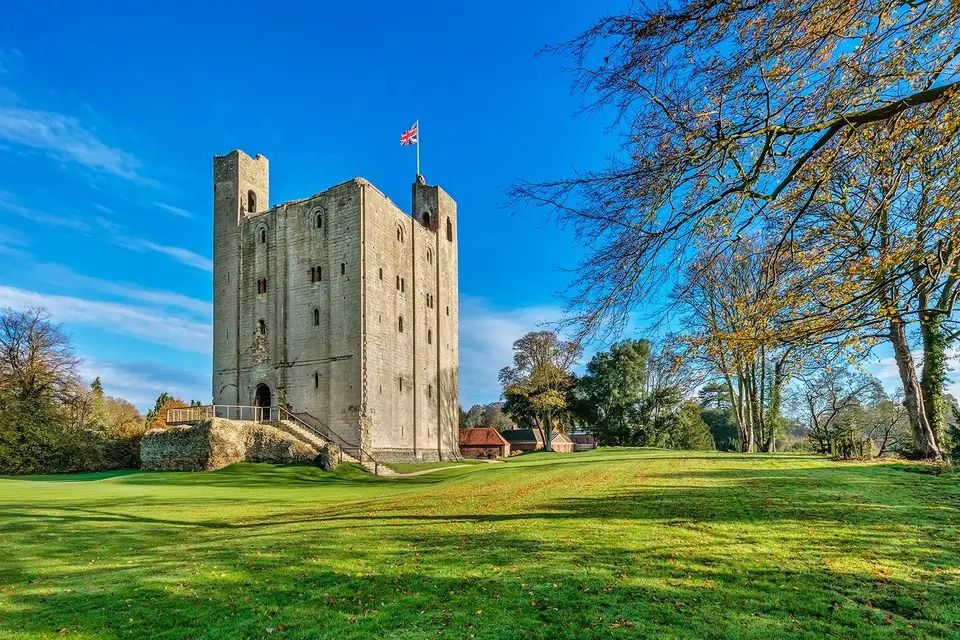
column 81, row 476
column 746, row 553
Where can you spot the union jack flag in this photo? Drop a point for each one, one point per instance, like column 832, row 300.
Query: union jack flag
column 410, row 135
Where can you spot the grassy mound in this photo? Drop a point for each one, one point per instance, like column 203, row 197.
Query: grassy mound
column 611, row 543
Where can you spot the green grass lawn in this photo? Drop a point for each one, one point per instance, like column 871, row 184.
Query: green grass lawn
column 606, row 544
column 414, row 467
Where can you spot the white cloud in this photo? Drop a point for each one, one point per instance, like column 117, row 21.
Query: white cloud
column 63, row 137
column 486, row 344
column 11, row 206
column 167, row 300
column 141, row 382
column 177, row 211
column 144, row 324
column 184, row 256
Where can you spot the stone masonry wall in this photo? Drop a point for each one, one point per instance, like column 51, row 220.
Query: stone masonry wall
column 217, row 443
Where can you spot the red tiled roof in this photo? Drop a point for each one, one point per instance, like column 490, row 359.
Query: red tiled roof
column 481, row 437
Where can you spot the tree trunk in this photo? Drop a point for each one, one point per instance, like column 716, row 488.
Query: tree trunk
column 933, row 376
column 776, row 394
column 924, row 439
column 548, row 432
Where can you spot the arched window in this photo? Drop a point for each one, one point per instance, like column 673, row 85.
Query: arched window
column 263, row 235
column 398, row 283
column 316, row 317
column 401, row 382
column 429, row 255
column 426, row 219
column 449, row 230
column 399, row 233
column 400, row 324
column 381, row 273
column 251, row 202
column 429, row 390
column 262, row 327
column 319, row 221
column 429, row 336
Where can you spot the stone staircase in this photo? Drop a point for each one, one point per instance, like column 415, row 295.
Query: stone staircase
column 303, row 432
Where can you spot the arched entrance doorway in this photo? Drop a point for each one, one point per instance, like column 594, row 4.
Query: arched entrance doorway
column 262, row 397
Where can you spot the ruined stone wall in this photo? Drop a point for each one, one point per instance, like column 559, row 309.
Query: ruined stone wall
column 215, row 444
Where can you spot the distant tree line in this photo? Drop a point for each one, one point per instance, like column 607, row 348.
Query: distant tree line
column 635, row 394
column 49, row 420
column 629, row 395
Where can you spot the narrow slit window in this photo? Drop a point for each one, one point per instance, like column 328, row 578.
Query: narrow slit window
column 263, row 236
column 316, row 380
column 429, row 336
column 251, row 201
column 400, row 324
column 316, row 317
column 429, row 390
column 449, row 230
column 381, row 273
column 319, row 221
column 261, row 327
column 343, row 268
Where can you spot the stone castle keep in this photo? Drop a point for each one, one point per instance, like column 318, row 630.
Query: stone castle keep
column 340, row 308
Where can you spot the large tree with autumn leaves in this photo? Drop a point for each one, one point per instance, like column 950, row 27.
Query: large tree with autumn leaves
column 821, row 131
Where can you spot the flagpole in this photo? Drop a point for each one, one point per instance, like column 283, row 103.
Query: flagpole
column 418, row 147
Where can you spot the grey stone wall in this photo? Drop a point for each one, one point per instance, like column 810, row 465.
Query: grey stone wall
column 215, row 444
column 351, row 367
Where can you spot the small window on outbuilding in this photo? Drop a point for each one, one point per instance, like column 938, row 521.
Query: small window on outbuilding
column 251, row 202
column 316, row 317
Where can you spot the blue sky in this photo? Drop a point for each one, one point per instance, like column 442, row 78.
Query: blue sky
column 110, row 115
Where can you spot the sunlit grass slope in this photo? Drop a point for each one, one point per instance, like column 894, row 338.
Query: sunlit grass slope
column 605, row 544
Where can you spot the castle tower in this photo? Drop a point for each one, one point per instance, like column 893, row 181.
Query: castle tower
column 240, row 187
column 340, row 308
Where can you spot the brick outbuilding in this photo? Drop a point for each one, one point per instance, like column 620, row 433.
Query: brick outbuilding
column 483, row 442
